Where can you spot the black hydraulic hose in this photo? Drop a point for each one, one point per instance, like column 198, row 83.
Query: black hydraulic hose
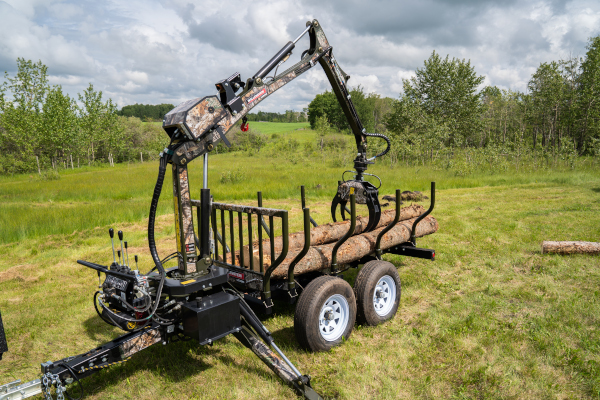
column 162, row 169
column 151, row 220
column 99, row 313
column 379, row 135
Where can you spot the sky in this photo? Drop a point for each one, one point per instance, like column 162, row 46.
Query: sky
column 169, row 51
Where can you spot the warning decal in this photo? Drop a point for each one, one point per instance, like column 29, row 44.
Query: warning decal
column 257, row 95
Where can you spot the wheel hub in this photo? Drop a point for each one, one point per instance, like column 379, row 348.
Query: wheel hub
column 384, row 295
column 333, row 317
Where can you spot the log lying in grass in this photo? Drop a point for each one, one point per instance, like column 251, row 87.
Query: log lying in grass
column 570, row 247
column 328, row 233
column 356, row 247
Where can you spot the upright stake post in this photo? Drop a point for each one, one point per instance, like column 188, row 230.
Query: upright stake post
column 205, row 172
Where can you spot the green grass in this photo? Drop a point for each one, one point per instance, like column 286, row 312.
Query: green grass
column 269, row 128
column 491, row 318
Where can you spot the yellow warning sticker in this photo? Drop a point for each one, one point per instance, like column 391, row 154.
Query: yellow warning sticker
column 188, row 282
column 351, row 190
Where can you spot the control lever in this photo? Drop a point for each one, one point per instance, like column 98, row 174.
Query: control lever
column 127, row 253
column 120, row 233
column 111, row 232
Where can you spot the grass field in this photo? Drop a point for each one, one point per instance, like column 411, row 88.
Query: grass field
column 491, row 318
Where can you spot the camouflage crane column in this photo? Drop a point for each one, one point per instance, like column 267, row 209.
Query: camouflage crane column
column 184, row 224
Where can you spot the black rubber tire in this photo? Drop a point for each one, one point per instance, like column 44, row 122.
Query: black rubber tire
column 364, row 288
column 310, row 303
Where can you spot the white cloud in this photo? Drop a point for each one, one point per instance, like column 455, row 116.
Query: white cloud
column 156, row 51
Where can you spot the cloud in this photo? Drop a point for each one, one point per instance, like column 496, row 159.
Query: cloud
column 157, row 51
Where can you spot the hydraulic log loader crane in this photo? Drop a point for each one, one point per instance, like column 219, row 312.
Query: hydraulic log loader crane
column 204, row 297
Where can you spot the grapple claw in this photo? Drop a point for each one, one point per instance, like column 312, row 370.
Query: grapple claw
column 366, row 193
column 334, row 203
column 343, row 209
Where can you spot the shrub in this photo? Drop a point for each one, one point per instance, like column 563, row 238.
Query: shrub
column 232, row 176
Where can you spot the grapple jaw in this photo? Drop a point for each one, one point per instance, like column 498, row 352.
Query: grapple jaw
column 366, row 193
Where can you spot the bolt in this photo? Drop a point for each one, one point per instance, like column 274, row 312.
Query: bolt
column 258, row 80
column 226, row 84
column 320, row 49
column 235, row 113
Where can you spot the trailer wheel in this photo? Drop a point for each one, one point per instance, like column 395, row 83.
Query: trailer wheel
column 325, row 313
column 377, row 290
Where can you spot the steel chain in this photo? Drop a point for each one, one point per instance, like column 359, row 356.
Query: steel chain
column 47, row 381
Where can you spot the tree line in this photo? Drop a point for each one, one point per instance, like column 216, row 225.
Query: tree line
column 146, row 112
column 442, row 116
column 442, row 111
column 41, row 127
column 288, row 116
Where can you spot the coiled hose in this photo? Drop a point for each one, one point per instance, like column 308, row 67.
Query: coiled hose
column 389, row 144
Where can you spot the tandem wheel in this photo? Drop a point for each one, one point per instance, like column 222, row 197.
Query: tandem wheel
column 325, row 313
column 377, row 289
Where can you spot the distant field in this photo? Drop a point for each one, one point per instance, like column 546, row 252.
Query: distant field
column 272, row 127
column 491, row 318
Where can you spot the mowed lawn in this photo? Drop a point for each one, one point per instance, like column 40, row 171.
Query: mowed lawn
column 491, row 318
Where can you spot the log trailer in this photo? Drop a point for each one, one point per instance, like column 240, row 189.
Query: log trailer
column 210, row 293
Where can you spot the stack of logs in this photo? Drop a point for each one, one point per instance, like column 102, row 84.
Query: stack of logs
column 324, row 237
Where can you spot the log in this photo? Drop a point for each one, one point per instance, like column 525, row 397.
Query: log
column 570, row 247
column 355, row 248
column 328, row 233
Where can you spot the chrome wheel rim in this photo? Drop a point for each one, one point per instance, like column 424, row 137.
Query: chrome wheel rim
column 384, row 295
column 333, row 317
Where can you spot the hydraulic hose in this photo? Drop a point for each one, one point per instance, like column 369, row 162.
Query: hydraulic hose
column 152, row 217
column 389, row 144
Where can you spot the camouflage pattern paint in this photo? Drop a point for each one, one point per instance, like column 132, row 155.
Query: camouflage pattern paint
column 184, row 223
column 272, row 360
column 200, row 118
column 139, row 343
